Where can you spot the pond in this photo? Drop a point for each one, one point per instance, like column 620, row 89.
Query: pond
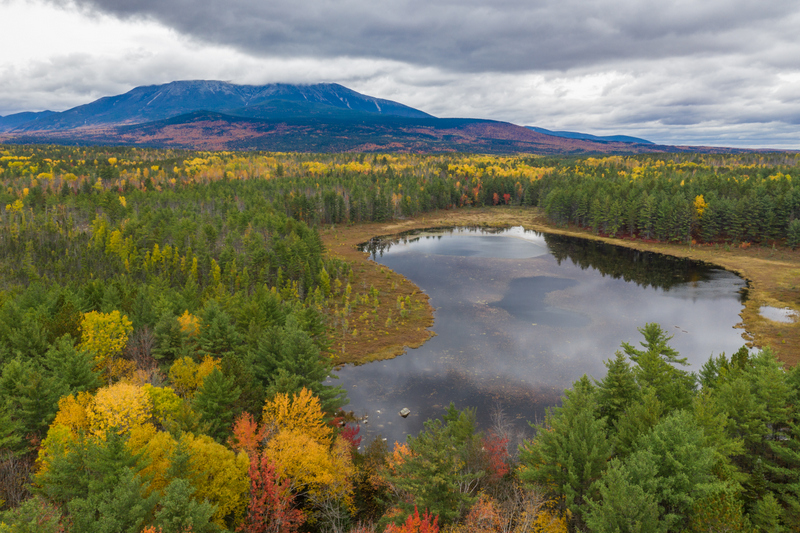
column 520, row 315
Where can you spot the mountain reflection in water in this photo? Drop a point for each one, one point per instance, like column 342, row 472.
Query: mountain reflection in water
column 521, row 315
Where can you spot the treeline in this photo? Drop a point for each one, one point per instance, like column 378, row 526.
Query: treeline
column 646, row 269
column 676, row 201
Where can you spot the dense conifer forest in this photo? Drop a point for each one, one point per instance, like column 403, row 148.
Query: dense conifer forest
column 166, row 331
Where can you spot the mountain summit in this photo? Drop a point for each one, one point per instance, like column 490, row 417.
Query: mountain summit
column 159, row 102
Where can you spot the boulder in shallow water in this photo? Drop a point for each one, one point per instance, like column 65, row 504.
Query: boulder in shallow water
column 404, row 412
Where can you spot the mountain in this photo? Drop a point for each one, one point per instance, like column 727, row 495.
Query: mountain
column 9, row 122
column 159, row 102
column 326, row 117
column 589, row 137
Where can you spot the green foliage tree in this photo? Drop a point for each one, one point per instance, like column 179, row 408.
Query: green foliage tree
column 120, row 508
column 570, row 450
column 287, row 360
column 178, row 512
column 30, row 396
column 34, row 515
column 72, row 366
column 683, row 473
column 623, row 506
column 618, row 390
column 215, row 401
column 442, row 473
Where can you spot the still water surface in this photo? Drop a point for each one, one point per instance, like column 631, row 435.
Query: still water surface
column 521, row 315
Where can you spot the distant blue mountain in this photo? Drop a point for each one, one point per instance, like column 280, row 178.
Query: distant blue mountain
column 588, row 137
column 159, row 102
column 10, row 122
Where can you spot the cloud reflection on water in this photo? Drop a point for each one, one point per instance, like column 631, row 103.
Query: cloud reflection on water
column 488, row 351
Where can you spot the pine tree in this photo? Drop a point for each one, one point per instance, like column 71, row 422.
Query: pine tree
column 287, row 360
column 570, row 450
column 617, row 390
column 623, row 506
column 215, row 401
column 178, row 512
column 73, row 367
column 683, row 467
column 441, row 473
column 793, row 234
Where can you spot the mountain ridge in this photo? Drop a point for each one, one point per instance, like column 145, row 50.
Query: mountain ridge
column 157, row 102
column 590, row 137
column 324, row 117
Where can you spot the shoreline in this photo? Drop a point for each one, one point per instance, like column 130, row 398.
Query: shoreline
column 773, row 280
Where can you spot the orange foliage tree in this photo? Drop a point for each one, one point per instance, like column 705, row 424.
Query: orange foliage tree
column 416, row 524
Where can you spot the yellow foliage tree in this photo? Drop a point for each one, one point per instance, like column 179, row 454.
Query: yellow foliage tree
column 182, row 375
column 302, row 413
column 16, row 207
column 166, row 404
column 303, row 449
column 190, row 324
column 550, row 520
column 700, row 205
column 73, row 412
column 104, row 334
column 119, row 407
column 158, row 448
column 318, row 469
column 58, row 442
column 188, row 376
column 219, row 475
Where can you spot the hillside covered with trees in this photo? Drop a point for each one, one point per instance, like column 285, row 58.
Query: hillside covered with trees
column 168, row 320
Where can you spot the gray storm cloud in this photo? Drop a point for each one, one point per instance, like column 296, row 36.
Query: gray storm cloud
column 717, row 72
column 470, row 35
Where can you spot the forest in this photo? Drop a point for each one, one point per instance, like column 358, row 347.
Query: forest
column 168, row 321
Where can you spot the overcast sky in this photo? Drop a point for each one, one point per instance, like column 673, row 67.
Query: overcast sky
column 718, row 72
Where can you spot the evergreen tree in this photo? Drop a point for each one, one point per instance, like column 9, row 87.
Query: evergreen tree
column 639, row 419
column 793, row 233
column 73, row 367
column 120, row 508
column 683, row 467
column 215, row 401
column 34, row 515
column 218, row 336
column 30, row 396
column 617, row 390
column 654, row 368
column 623, row 506
column 178, row 512
column 168, row 338
column 442, row 474
column 570, row 450
column 287, row 360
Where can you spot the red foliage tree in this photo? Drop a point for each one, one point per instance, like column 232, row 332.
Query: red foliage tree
column 350, row 434
column 497, row 456
column 271, row 508
column 416, row 524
